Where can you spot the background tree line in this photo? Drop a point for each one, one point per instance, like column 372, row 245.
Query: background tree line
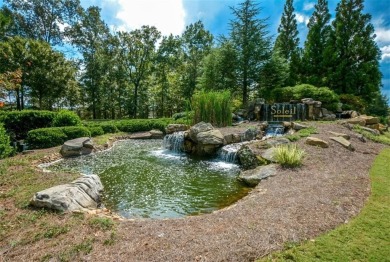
column 141, row 73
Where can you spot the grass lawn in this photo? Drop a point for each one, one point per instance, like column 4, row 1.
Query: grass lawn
column 365, row 238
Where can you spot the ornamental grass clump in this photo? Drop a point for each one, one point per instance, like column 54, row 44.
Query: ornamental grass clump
column 289, row 155
column 212, row 107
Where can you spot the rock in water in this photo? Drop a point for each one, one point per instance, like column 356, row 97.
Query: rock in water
column 80, row 194
column 77, row 147
column 254, row 176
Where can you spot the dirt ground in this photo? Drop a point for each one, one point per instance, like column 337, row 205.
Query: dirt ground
column 295, row 205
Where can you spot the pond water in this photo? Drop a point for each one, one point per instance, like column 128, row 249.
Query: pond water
column 142, row 180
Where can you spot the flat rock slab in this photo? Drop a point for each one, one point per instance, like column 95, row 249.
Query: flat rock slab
column 80, row 194
column 77, row 147
column 345, row 136
column 314, row 141
column 269, row 155
column 344, row 142
column 254, row 176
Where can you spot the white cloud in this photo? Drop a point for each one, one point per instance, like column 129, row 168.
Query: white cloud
column 385, row 53
column 308, row 6
column 168, row 16
column 301, row 18
column 382, row 35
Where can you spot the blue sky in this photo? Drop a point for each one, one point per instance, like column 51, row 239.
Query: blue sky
column 171, row 16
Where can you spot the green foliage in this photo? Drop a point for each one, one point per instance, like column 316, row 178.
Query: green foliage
column 289, row 155
column 66, row 118
column 45, row 137
column 212, row 107
column 109, row 128
column 101, row 223
column 364, row 238
column 96, row 131
column 352, row 102
column 138, row 125
column 379, row 105
column 19, row 123
column 54, row 136
column 328, row 98
column 5, row 147
column 382, row 138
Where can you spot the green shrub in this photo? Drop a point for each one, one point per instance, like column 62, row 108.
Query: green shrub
column 289, row 155
column 352, row 102
column 328, row 98
column 45, row 137
column 66, row 118
column 109, row 128
column 138, row 125
column 96, row 130
column 54, row 136
column 5, row 144
column 212, row 107
column 19, row 123
column 72, row 132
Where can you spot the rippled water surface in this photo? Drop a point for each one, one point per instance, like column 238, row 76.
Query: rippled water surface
column 142, row 180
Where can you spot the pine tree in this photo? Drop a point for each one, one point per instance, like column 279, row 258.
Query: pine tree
column 251, row 42
column 287, row 42
column 317, row 37
column 355, row 59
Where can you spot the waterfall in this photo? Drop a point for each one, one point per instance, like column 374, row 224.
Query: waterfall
column 274, row 130
column 174, row 142
column 228, row 153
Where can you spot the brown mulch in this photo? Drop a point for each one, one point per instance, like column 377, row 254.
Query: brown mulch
column 297, row 204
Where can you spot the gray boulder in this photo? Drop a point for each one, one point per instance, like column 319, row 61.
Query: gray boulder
column 269, row 155
column 254, row 176
column 313, row 141
column 77, row 147
column 83, row 193
column 172, row 128
column 344, row 142
column 199, row 128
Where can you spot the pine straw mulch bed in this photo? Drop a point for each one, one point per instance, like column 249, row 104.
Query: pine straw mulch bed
column 297, row 204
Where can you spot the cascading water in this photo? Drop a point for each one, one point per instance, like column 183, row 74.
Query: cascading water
column 228, row 153
column 274, row 130
column 174, row 142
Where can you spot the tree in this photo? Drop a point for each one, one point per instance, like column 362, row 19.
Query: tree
column 314, row 58
column 219, row 68
column 196, row 43
column 137, row 54
column 5, row 22
column 354, row 64
column 43, row 19
column 249, row 36
column 89, row 36
column 287, row 42
column 45, row 73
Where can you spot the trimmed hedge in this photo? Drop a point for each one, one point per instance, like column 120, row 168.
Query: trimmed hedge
column 328, row 97
column 66, row 118
column 96, row 130
column 54, row 136
column 18, row 123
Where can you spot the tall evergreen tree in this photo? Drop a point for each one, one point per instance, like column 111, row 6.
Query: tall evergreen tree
column 287, row 42
column 355, row 60
column 317, row 38
column 250, row 39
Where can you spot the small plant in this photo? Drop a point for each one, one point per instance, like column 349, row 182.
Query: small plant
column 5, row 147
column 382, row 139
column 289, row 155
column 101, row 223
column 66, row 118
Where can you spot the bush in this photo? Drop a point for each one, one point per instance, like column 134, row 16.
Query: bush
column 289, row 156
column 54, row 136
column 352, row 102
column 72, row 132
column 66, row 118
column 96, row 130
column 329, row 99
column 5, row 143
column 212, row 107
column 109, row 128
column 138, row 125
column 45, row 137
column 18, row 123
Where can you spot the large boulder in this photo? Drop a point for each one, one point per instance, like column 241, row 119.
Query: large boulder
column 172, row 128
column 248, row 158
column 254, row 176
column 83, row 193
column 211, row 137
column 199, row 128
column 77, row 147
column 313, row 141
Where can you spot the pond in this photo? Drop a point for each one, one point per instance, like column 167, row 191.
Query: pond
column 141, row 180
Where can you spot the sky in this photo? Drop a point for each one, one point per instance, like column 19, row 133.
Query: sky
column 172, row 16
